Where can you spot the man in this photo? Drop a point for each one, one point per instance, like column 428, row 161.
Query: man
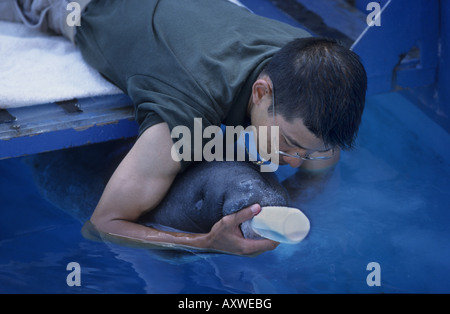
column 210, row 59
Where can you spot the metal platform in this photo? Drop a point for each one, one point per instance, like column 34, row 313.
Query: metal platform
column 47, row 127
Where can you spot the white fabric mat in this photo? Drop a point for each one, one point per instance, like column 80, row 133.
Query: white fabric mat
column 37, row 68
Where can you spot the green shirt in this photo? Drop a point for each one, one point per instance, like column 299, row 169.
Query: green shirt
column 181, row 59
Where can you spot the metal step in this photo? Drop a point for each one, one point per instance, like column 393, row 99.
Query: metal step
column 47, row 127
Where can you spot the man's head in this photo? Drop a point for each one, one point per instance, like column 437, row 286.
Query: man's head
column 317, row 83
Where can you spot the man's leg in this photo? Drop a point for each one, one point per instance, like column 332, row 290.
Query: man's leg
column 48, row 16
column 8, row 11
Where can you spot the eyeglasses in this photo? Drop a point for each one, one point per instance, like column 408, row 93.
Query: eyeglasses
column 317, row 155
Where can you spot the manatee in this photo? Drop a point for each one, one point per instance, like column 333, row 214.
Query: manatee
column 73, row 180
column 208, row 191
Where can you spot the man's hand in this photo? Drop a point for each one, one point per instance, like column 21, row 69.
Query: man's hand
column 226, row 235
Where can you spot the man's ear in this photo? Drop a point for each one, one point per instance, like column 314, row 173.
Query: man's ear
column 262, row 87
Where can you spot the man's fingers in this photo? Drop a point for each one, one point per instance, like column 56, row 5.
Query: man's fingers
column 256, row 247
column 247, row 213
column 227, row 236
column 253, row 247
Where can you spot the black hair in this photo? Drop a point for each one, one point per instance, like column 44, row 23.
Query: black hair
column 324, row 84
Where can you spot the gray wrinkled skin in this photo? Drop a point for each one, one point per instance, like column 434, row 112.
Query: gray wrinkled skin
column 207, row 191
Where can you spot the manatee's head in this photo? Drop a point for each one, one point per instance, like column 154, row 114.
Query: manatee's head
column 243, row 185
column 250, row 186
column 208, row 191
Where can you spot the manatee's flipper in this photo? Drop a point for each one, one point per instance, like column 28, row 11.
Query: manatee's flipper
column 207, row 191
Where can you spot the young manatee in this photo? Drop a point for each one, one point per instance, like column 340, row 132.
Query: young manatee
column 207, row 191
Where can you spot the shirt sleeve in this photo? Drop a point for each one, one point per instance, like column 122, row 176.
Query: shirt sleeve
column 156, row 103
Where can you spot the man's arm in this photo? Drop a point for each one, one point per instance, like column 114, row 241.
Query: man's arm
column 140, row 183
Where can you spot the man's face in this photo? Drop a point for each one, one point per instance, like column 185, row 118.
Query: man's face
column 293, row 137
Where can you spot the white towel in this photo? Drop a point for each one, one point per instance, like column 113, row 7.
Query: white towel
column 37, row 68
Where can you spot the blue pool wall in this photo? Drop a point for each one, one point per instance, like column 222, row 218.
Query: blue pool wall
column 444, row 65
column 408, row 53
column 421, row 23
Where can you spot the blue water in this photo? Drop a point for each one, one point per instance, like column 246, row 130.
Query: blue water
column 386, row 202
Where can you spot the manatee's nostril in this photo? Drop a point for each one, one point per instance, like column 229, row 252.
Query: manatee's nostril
column 199, row 204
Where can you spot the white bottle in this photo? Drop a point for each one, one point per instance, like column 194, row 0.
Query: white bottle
column 281, row 224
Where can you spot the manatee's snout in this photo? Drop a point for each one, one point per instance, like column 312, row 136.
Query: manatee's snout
column 255, row 189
